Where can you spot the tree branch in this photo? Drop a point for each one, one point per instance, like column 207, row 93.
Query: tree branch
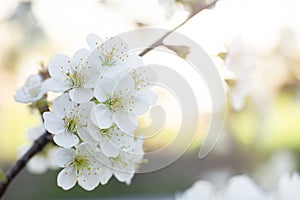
column 37, row 146
column 46, row 138
column 159, row 42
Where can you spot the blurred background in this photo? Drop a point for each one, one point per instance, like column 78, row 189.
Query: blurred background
column 255, row 44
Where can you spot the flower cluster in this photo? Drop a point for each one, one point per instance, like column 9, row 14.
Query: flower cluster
column 103, row 90
column 242, row 187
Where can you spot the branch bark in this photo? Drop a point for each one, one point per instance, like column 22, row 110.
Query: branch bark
column 37, row 146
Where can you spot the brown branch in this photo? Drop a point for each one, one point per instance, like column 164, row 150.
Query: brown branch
column 159, row 42
column 37, row 146
column 46, row 138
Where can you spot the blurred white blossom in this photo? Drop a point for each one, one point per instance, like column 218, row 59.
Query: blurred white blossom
column 242, row 187
column 44, row 160
column 33, row 90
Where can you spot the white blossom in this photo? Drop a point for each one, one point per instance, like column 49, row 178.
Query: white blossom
column 111, row 140
column 67, row 120
column 111, row 56
column 242, row 187
column 239, row 64
column 80, row 165
column 76, row 75
column 33, row 90
column 124, row 166
column 120, row 103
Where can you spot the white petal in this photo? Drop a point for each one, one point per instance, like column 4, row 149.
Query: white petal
column 62, row 106
column 93, row 41
column 85, row 136
column 133, row 60
column 79, row 57
column 125, row 84
column 124, row 176
column 140, row 106
column 104, row 89
column 119, row 45
column 88, row 179
column 52, row 123
column 147, row 95
column 105, row 175
column 67, row 178
column 81, row 95
column 93, row 74
column 66, row 140
column 84, row 111
column 127, row 122
column 109, row 149
column 59, row 66
column 101, row 116
column 63, row 157
column 57, row 85
column 37, row 165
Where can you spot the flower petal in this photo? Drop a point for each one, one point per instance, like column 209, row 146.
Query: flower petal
column 66, row 140
column 127, row 122
column 63, row 157
column 108, row 148
column 104, row 88
column 93, row 41
column 88, row 179
column 67, row 178
column 57, row 85
column 52, row 123
column 124, row 176
column 62, row 106
column 79, row 57
column 81, row 95
column 59, row 66
column 101, row 116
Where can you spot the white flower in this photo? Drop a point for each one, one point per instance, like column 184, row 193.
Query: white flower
column 111, row 56
column 80, row 165
column 120, row 103
column 201, row 190
column 242, row 187
column 67, row 120
column 77, row 75
column 240, row 64
column 33, row 90
column 124, row 166
column 111, row 140
column 44, row 160
column 239, row 187
column 288, row 187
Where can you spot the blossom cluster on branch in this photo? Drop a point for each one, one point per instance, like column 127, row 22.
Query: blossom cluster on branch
column 93, row 120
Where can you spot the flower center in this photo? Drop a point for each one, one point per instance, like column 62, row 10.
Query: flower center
column 77, row 79
column 81, row 162
column 114, row 103
column 35, row 91
column 70, row 125
column 108, row 58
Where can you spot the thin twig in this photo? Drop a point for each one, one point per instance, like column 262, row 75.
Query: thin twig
column 46, row 138
column 159, row 42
